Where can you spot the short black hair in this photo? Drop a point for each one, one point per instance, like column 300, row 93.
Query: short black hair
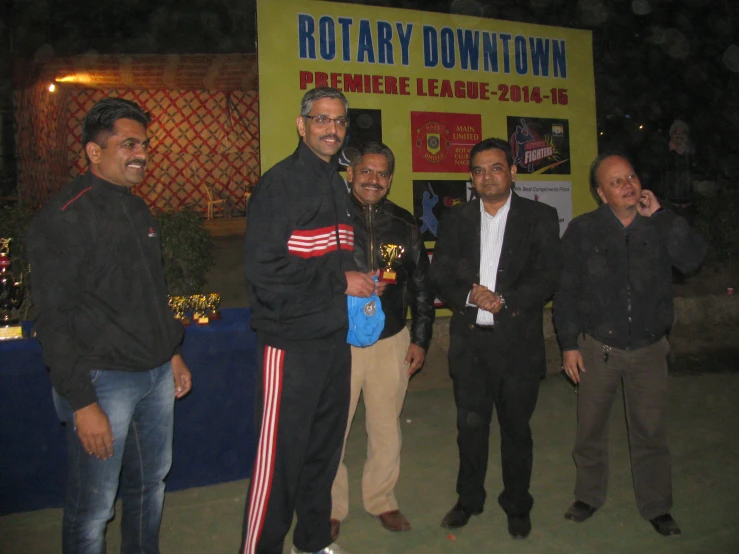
column 597, row 163
column 373, row 147
column 99, row 123
column 318, row 93
column 492, row 144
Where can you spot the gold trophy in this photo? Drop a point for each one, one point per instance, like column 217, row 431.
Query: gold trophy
column 214, row 300
column 11, row 296
column 391, row 253
column 200, row 309
column 180, row 306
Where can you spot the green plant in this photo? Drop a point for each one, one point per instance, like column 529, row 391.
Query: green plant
column 186, row 251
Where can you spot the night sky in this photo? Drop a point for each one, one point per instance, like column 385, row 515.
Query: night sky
column 655, row 60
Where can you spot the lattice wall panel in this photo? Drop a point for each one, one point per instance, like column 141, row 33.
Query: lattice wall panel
column 198, row 137
column 40, row 118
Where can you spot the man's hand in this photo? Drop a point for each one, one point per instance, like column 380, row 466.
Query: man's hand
column 414, row 358
column 93, row 429
column 572, row 364
column 182, row 377
column 485, row 299
column 359, row 284
column 648, row 203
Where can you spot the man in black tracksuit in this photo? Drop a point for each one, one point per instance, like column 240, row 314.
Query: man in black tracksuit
column 108, row 335
column 380, row 372
column 612, row 312
column 299, row 266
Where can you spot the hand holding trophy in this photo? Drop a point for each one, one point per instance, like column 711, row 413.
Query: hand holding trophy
column 391, row 253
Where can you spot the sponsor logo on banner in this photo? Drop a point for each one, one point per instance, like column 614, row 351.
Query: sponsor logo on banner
column 539, row 145
column 442, row 141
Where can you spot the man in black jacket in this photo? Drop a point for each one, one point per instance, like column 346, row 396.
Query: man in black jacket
column 496, row 262
column 108, row 335
column 612, row 311
column 386, row 238
column 299, row 266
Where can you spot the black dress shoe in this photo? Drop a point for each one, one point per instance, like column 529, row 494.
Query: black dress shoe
column 579, row 511
column 458, row 516
column 665, row 525
column 519, row 526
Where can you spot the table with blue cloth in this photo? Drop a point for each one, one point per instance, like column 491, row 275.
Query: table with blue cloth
column 214, row 436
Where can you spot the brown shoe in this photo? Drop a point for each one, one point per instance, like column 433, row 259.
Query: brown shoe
column 394, row 520
column 335, row 529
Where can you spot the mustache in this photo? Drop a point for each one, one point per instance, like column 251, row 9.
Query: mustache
column 330, row 136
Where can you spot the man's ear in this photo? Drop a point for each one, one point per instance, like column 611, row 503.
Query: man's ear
column 602, row 195
column 300, row 122
column 349, row 174
column 93, row 152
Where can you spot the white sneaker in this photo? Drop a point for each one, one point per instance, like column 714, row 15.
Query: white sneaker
column 332, row 548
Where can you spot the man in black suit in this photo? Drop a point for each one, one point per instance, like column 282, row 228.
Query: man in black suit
column 497, row 261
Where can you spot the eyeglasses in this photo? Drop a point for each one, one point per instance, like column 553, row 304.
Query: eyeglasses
column 324, row 120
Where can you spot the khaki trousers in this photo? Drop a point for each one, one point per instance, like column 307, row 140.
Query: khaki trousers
column 380, row 373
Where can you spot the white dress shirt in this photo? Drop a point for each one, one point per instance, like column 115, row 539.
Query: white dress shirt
column 492, row 229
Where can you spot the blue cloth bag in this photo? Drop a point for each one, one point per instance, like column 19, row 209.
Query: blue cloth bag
column 366, row 320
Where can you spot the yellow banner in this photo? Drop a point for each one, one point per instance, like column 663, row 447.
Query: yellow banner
column 430, row 86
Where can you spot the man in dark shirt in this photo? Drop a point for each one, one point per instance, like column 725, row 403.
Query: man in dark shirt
column 675, row 184
column 612, row 311
column 108, row 335
column 299, row 266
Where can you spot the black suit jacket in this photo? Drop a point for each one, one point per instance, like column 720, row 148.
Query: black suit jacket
column 528, row 272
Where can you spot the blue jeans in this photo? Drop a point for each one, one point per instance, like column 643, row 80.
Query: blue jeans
column 140, row 407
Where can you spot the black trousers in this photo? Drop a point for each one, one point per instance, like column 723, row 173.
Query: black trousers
column 481, row 384
column 302, row 410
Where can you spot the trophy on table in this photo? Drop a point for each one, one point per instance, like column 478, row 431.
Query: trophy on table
column 180, row 305
column 214, row 300
column 200, row 309
column 11, row 296
column 390, row 253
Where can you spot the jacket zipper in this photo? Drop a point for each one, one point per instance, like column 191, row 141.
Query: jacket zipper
column 628, row 286
column 370, row 220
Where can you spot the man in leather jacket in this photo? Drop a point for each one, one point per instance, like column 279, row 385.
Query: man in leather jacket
column 381, row 371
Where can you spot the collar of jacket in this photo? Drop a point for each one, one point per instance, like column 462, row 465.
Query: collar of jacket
column 379, row 207
column 101, row 184
column 606, row 213
column 312, row 161
column 472, row 208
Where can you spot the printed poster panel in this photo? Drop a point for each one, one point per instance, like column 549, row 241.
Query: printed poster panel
column 555, row 193
column 540, row 145
column 442, row 141
column 365, row 125
column 432, row 198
